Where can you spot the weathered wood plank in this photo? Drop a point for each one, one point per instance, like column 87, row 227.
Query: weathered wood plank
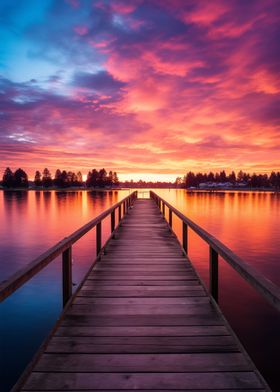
column 141, row 301
column 169, row 284
column 141, row 344
column 169, row 390
column 130, row 291
column 142, row 309
column 132, row 381
column 142, row 363
column 111, row 277
column 152, row 274
column 143, row 331
column 142, row 320
column 137, row 267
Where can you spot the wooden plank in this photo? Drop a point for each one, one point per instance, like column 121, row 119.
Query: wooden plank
column 154, row 291
column 111, row 277
column 141, row 309
column 77, row 349
column 137, row 267
column 132, row 381
column 142, row 363
column 142, row 301
column 169, row 390
column 138, row 344
column 143, row 262
column 141, row 320
column 188, row 285
column 140, row 269
column 139, row 274
column 143, row 331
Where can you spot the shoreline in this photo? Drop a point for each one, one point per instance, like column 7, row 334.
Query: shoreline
column 198, row 190
column 70, row 189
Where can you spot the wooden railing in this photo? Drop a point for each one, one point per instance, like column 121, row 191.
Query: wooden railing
column 265, row 287
column 64, row 247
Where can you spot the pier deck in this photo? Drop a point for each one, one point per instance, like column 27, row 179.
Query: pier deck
column 142, row 320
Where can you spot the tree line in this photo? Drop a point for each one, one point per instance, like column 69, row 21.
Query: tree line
column 101, row 179
column 61, row 179
column 240, row 179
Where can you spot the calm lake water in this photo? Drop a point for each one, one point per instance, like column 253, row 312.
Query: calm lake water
column 30, row 222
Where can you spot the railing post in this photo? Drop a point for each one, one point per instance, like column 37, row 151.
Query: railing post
column 66, row 275
column 170, row 217
column 112, row 221
column 120, row 213
column 185, row 237
column 98, row 238
column 214, row 274
column 163, row 209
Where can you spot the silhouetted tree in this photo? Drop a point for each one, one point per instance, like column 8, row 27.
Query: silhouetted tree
column 240, row 176
column 8, row 178
column 232, row 177
column 37, row 178
column 47, row 178
column 102, row 177
column 211, row 177
column 79, row 178
column 115, row 179
column 191, row 180
column 109, row 179
column 57, row 178
column 223, row 176
column 64, row 178
column 20, row 179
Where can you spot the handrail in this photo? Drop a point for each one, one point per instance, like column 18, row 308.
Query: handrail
column 264, row 286
column 64, row 247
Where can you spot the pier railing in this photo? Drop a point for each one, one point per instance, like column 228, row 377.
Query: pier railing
column 64, row 248
column 265, row 287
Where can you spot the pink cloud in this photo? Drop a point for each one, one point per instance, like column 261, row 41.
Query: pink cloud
column 205, row 13
column 81, row 30
column 123, row 7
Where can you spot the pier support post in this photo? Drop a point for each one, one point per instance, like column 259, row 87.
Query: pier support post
column 214, row 274
column 112, row 221
column 170, row 218
column 66, row 275
column 98, row 238
column 185, row 237
column 120, row 213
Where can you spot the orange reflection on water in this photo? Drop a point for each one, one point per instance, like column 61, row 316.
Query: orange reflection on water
column 32, row 221
column 247, row 222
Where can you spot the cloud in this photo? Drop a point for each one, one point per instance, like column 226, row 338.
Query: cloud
column 165, row 86
column 102, row 82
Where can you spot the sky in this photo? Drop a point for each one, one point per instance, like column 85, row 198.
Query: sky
column 148, row 88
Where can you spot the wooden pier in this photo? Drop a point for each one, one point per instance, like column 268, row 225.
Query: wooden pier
column 141, row 319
